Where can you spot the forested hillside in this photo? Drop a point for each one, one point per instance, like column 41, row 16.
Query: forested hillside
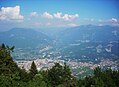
column 57, row 76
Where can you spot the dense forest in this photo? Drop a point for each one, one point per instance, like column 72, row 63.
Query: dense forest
column 57, row 76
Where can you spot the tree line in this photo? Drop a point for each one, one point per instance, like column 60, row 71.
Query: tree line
column 57, row 76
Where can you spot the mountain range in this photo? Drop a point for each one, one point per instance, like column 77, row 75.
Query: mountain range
column 87, row 41
column 20, row 37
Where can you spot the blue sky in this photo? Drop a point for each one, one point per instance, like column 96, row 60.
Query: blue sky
column 57, row 13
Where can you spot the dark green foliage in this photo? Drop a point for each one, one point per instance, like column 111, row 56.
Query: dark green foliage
column 24, row 76
column 55, row 74
column 66, row 73
column 71, row 83
column 97, row 72
column 59, row 74
column 33, row 70
column 10, row 74
column 101, row 78
column 7, row 65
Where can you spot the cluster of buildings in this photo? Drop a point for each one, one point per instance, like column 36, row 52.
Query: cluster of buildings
column 45, row 63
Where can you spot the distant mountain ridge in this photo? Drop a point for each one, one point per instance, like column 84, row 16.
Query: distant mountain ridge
column 21, row 37
column 92, row 33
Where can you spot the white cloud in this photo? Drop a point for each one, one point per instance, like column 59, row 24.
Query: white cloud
column 114, row 20
column 10, row 13
column 34, row 14
column 65, row 17
column 58, row 15
column 68, row 17
column 47, row 15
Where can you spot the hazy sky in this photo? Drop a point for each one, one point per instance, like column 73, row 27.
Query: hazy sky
column 57, row 13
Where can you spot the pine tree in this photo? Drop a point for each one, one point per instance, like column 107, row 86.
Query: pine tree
column 66, row 73
column 33, row 70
